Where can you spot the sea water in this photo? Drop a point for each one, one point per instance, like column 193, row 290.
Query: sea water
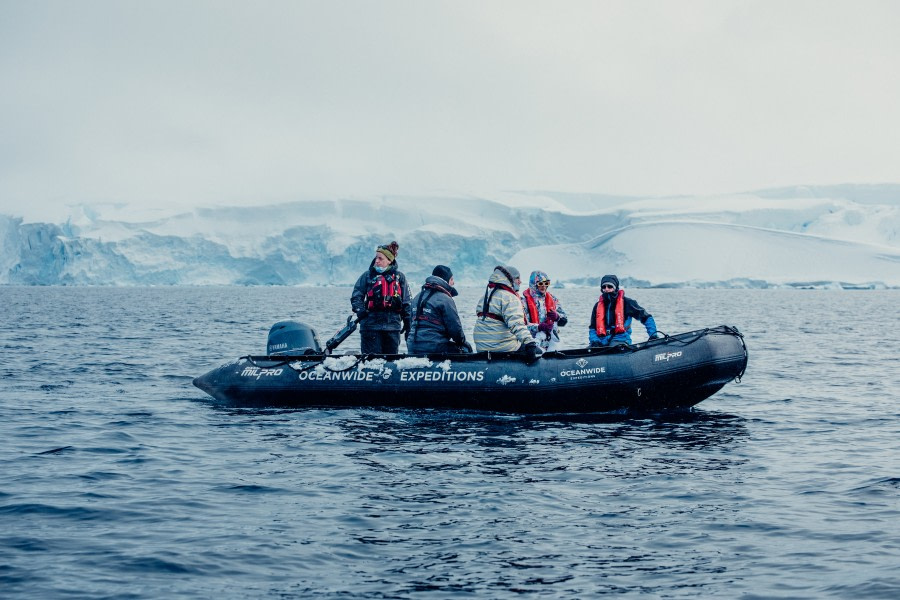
column 120, row 479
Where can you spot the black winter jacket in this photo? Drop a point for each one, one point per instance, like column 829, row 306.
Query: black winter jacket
column 435, row 324
column 380, row 320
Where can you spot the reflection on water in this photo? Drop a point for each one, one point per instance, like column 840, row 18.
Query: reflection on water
column 600, row 445
column 689, row 428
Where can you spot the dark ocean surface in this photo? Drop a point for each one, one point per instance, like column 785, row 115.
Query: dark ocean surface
column 119, row 479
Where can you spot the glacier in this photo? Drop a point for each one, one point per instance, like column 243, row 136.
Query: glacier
column 845, row 236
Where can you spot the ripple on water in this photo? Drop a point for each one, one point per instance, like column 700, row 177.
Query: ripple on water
column 119, row 479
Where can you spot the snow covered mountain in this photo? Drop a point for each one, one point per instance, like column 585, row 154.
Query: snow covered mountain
column 836, row 236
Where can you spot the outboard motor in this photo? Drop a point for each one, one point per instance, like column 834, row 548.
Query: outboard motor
column 292, row 337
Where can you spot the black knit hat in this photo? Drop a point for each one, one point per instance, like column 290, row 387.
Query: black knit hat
column 443, row 272
column 610, row 279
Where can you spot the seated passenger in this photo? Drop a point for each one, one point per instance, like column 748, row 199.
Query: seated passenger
column 435, row 325
column 610, row 323
column 501, row 323
column 543, row 313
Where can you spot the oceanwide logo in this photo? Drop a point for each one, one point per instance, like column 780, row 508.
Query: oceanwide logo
column 582, row 372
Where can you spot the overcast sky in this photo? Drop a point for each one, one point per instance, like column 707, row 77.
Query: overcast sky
column 194, row 102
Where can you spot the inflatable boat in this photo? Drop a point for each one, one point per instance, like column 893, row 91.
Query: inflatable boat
column 676, row 371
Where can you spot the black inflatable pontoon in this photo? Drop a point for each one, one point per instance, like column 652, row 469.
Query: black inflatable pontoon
column 674, row 372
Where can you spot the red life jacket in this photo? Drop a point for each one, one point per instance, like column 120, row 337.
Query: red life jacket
column 385, row 293
column 532, row 304
column 600, row 317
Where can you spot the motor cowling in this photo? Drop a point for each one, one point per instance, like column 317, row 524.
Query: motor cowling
column 292, row 337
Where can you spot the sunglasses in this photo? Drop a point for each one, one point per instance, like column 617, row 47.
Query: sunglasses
column 607, row 286
column 542, row 283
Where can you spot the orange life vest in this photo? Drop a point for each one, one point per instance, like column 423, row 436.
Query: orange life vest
column 600, row 317
column 532, row 304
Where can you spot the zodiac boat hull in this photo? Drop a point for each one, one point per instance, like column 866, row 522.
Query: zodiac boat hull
column 675, row 372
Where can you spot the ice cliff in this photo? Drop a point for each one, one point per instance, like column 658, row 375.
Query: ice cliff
column 837, row 236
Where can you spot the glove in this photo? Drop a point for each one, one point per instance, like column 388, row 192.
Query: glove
column 552, row 315
column 546, row 327
column 531, row 351
column 562, row 321
column 362, row 314
column 465, row 347
column 405, row 330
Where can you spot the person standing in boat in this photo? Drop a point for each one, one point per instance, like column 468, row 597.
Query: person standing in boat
column 543, row 313
column 500, row 326
column 380, row 300
column 435, row 326
column 611, row 317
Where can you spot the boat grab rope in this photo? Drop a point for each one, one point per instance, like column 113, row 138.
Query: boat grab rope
column 697, row 335
column 682, row 339
column 311, row 365
column 721, row 330
column 323, row 364
column 347, row 368
column 291, row 362
column 253, row 362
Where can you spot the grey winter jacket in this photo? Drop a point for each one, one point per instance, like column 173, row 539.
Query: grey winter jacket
column 435, row 324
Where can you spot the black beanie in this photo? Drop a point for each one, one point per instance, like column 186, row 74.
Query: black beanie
column 610, row 279
column 443, row 272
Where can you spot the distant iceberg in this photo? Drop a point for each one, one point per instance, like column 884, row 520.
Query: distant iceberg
column 817, row 237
